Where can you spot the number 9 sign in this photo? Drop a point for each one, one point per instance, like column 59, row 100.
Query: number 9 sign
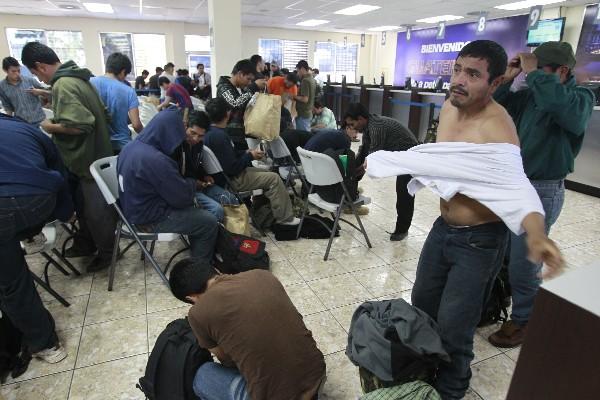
column 534, row 17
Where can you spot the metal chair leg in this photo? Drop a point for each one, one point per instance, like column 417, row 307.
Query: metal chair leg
column 47, row 287
column 304, row 210
column 52, row 261
column 66, row 262
column 113, row 262
column 333, row 229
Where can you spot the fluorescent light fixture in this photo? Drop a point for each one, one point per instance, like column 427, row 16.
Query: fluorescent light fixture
column 520, row 5
column 313, row 22
column 99, row 8
column 440, row 18
column 357, row 9
column 384, row 28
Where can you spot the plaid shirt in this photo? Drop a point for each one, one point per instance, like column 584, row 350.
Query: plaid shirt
column 384, row 133
column 25, row 105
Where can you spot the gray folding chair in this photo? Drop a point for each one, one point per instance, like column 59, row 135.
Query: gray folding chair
column 290, row 170
column 104, row 172
column 321, row 170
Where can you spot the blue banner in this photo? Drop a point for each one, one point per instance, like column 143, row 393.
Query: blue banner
column 424, row 57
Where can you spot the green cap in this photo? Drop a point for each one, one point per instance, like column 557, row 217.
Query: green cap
column 560, row 53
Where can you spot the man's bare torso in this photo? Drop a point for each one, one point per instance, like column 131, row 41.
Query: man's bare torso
column 490, row 125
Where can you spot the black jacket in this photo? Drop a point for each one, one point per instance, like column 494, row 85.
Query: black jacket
column 236, row 100
column 189, row 159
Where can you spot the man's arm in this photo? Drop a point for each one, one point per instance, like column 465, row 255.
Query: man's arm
column 541, row 248
column 59, row 129
column 71, row 117
column 6, row 104
column 232, row 164
column 164, row 103
column 134, row 117
column 304, row 89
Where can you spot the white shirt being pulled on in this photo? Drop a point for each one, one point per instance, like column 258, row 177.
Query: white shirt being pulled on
column 490, row 173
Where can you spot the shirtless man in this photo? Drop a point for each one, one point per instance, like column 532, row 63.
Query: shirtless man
column 465, row 248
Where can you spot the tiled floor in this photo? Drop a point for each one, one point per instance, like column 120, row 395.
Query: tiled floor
column 108, row 335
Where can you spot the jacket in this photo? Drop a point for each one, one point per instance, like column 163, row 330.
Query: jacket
column 236, row 100
column 551, row 119
column 151, row 185
column 233, row 161
column 76, row 104
column 30, row 165
column 189, row 160
column 386, row 337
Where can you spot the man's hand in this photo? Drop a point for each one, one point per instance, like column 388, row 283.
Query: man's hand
column 256, row 154
column 261, row 83
column 529, row 62
column 37, row 92
column 542, row 249
column 513, row 69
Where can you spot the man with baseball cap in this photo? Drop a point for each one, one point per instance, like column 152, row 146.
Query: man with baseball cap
column 551, row 115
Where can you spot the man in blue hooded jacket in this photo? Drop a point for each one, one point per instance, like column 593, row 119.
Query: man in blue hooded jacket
column 154, row 195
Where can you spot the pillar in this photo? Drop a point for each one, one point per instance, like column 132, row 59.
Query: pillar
column 225, row 29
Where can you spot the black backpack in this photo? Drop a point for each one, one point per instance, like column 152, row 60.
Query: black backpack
column 311, row 229
column 239, row 253
column 334, row 193
column 173, row 363
column 496, row 308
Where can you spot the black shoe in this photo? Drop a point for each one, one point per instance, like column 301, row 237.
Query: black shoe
column 79, row 251
column 398, row 236
column 98, row 264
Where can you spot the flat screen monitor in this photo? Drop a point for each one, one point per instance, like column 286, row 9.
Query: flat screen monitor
column 548, row 30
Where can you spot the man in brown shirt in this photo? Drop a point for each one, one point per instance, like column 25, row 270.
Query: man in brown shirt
column 249, row 322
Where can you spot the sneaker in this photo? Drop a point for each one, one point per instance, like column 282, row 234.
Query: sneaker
column 398, row 236
column 34, row 244
column 98, row 264
column 294, row 221
column 510, row 335
column 78, row 250
column 362, row 210
column 52, row 355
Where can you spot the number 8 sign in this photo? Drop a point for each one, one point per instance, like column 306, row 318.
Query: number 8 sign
column 481, row 25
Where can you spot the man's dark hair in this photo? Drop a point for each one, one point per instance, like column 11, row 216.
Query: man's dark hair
column 217, row 109
column 36, row 52
column 302, row 64
column 490, row 51
column 199, row 65
column 316, row 71
column 318, row 104
column 169, row 65
column 9, row 62
column 199, row 119
column 255, row 59
column 356, row 110
column 117, row 62
column 162, row 80
column 145, row 72
column 245, row 67
column 158, row 70
column 292, row 77
column 190, row 276
column 284, row 71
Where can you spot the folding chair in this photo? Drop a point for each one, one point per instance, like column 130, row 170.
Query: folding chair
column 48, row 252
column 321, row 170
column 104, row 172
column 290, row 171
column 212, row 166
column 265, row 163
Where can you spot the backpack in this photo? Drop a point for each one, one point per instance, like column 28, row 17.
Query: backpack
column 173, row 363
column 239, row 253
column 496, row 308
column 334, row 193
column 311, row 229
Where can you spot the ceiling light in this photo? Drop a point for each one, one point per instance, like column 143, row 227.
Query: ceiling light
column 384, row 28
column 441, row 18
column 312, row 22
column 520, row 5
column 68, row 7
column 357, row 9
column 99, row 8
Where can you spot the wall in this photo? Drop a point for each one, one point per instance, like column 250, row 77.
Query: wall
column 573, row 23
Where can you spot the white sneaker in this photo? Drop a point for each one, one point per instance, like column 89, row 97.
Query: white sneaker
column 295, row 221
column 52, row 355
column 35, row 244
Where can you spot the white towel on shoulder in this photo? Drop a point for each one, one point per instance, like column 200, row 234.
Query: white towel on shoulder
column 490, row 173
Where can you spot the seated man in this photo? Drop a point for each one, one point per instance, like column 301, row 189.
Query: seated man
column 237, row 165
column 261, row 357
column 154, row 195
column 140, row 81
column 175, row 93
column 33, row 191
column 211, row 197
column 323, row 117
column 328, row 139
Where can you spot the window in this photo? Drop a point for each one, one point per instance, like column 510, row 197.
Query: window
column 286, row 53
column 336, row 60
column 197, row 50
column 68, row 45
column 145, row 50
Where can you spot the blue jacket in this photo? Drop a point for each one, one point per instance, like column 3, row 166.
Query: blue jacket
column 234, row 162
column 151, row 185
column 328, row 139
column 30, row 165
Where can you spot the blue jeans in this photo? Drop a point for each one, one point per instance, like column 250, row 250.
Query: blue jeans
column 216, row 382
column 21, row 217
column 199, row 225
column 303, row 124
column 524, row 275
column 455, row 275
column 213, row 198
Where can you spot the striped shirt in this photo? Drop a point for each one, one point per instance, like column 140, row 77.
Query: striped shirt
column 25, row 105
column 384, row 133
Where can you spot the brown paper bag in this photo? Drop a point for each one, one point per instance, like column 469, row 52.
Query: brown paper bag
column 262, row 117
column 237, row 219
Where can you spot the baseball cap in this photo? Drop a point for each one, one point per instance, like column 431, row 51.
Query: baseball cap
column 560, row 53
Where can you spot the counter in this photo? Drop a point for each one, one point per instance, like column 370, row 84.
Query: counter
column 429, row 97
column 586, row 177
